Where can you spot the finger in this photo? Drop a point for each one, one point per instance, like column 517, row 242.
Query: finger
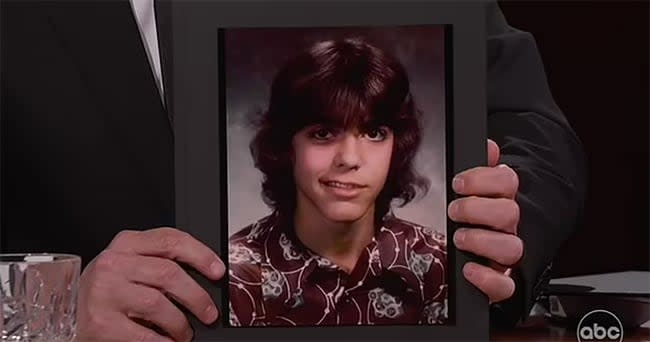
column 493, row 153
column 500, row 181
column 168, row 276
column 118, row 328
column 151, row 305
column 107, row 291
column 498, row 213
column 172, row 244
column 495, row 285
column 504, row 249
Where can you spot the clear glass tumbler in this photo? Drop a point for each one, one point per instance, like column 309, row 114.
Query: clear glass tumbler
column 38, row 297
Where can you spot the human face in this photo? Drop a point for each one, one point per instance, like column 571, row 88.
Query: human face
column 339, row 173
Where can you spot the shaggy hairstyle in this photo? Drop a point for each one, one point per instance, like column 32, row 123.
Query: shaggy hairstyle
column 344, row 83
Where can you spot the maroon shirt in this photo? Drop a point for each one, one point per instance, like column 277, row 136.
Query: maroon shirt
column 276, row 280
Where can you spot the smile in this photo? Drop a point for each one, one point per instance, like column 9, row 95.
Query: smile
column 342, row 185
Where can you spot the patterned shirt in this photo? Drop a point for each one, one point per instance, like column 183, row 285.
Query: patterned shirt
column 275, row 280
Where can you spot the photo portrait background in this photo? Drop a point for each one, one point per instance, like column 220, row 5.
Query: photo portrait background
column 253, row 56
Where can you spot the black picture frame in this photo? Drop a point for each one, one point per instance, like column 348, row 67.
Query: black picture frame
column 196, row 101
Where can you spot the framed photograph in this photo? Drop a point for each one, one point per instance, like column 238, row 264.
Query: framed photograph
column 315, row 147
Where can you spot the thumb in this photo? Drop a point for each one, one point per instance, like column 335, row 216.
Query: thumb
column 493, row 153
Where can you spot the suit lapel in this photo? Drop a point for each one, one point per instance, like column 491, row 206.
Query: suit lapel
column 104, row 41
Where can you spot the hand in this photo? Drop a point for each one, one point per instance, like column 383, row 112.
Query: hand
column 126, row 290
column 490, row 203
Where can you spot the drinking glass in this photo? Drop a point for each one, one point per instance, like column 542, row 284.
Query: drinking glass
column 38, row 297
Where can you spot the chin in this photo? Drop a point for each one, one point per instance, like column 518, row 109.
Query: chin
column 344, row 212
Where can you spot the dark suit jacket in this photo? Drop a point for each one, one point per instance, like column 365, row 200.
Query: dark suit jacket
column 87, row 148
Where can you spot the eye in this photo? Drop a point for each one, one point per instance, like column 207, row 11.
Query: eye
column 377, row 134
column 321, row 134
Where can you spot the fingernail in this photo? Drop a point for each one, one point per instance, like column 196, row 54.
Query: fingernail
column 211, row 313
column 457, row 184
column 468, row 271
column 453, row 210
column 216, row 268
column 459, row 237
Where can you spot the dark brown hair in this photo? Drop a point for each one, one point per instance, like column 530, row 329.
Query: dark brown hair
column 345, row 83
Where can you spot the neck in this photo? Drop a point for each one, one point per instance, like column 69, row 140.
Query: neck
column 340, row 242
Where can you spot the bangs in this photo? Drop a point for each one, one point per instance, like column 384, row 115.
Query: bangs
column 349, row 103
column 345, row 84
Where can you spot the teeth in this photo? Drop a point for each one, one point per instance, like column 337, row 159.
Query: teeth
column 340, row 185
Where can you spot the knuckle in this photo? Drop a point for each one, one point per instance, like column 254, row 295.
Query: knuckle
column 151, row 301
column 168, row 272
column 170, row 239
column 107, row 261
column 94, row 289
column 92, row 324
column 511, row 218
column 122, row 237
column 183, row 235
column 516, row 209
column 169, row 242
column 506, row 170
column 514, row 177
column 147, row 335
column 172, row 232
column 515, row 214
column 513, row 252
column 164, row 230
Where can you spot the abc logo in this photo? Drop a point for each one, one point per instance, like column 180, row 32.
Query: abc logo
column 601, row 326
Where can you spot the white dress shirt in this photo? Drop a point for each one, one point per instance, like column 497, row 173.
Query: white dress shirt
column 145, row 16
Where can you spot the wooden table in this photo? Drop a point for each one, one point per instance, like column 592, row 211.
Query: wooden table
column 538, row 329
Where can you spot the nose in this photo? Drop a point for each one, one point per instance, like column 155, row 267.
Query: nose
column 348, row 154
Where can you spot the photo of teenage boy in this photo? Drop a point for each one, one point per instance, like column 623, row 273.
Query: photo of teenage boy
column 336, row 146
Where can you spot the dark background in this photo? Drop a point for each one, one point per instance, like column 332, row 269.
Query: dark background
column 596, row 59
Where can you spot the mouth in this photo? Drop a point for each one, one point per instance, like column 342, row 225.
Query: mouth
column 342, row 185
